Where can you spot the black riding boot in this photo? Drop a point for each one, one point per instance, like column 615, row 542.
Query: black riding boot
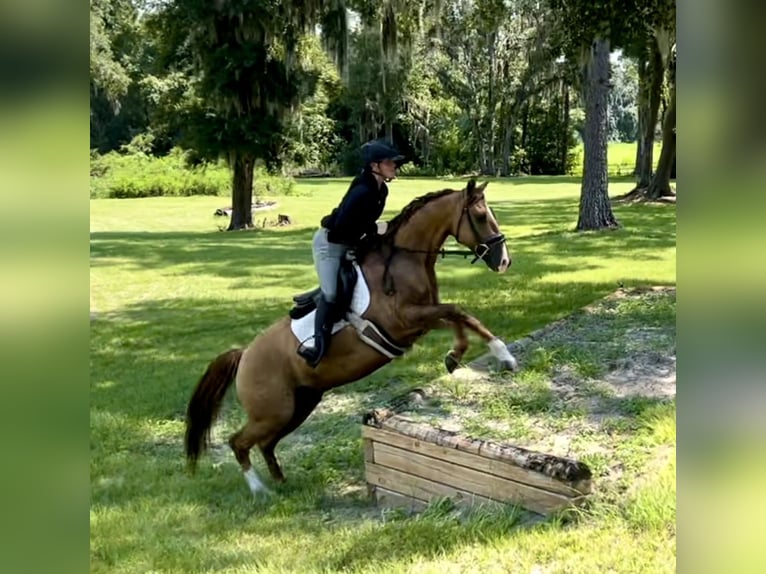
column 323, row 322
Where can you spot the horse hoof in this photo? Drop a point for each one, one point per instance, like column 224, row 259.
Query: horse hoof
column 509, row 365
column 450, row 362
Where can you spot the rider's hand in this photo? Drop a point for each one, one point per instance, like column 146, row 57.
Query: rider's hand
column 382, row 227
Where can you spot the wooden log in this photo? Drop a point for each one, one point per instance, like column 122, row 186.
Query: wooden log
column 494, row 466
column 471, row 480
column 576, row 473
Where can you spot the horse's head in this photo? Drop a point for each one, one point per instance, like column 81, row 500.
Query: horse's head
column 478, row 230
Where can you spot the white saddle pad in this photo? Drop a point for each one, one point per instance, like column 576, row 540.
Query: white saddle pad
column 303, row 328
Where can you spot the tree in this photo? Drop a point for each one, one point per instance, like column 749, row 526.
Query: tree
column 595, row 208
column 622, row 24
column 395, row 24
column 589, row 28
column 650, row 72
column 660, row 184
column 120, row 56
column 650, row 42
column 246, row 75
column 311, row 136
column 496, row 57
column 108, row 74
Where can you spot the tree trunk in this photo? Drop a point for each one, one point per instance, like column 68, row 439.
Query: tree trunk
column 524, row 124
column 650, row 74
column 524, row 161
column 660, row 184
column 242, row 191
column 480, row 143
column 491, row 166
column 508, row 144
column 565, row 131
column 595, row 209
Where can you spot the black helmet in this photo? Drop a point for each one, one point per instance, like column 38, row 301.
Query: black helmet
column 377, row 151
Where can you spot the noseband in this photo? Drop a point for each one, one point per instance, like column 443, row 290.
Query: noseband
column 483, row 246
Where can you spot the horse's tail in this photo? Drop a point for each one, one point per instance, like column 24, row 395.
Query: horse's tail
column 205, row 402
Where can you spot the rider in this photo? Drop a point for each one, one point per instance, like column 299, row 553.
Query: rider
column 355, row 218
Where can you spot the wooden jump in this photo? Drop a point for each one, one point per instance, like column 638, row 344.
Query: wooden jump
column 409, row 464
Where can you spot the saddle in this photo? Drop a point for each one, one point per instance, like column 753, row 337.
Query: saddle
column 306, row 302
column 370, row 333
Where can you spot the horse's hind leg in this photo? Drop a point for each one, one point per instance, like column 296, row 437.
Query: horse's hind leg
column 305, row 399
column 241, row 442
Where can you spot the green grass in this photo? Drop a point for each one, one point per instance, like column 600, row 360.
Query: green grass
column 169, row 292
column 620, row 157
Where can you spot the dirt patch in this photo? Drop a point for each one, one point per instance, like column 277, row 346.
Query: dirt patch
column 587, row 385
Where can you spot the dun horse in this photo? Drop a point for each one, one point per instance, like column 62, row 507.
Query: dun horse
column 276, row 387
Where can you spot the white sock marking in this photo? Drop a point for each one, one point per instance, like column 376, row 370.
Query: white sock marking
column 501, row 352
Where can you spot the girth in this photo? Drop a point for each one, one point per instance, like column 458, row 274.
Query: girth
column 375, row 336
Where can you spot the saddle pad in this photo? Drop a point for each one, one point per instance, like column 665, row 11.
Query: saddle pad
column 303, row 328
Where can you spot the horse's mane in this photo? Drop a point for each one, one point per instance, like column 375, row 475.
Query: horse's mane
column 399, row 220
column 409, row 210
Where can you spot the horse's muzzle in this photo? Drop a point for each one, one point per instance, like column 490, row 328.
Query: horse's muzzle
column 494, row 253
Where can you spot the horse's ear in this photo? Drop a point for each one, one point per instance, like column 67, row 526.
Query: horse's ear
column 471, row 186
column 482, row 187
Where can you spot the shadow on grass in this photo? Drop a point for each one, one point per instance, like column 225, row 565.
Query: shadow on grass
column 249, row 254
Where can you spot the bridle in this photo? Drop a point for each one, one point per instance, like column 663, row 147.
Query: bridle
column 483, row 246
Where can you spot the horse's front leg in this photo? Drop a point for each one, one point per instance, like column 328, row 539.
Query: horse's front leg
column 434, row 316
column 459, row 347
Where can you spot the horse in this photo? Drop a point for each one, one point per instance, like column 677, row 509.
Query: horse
column 276, row 387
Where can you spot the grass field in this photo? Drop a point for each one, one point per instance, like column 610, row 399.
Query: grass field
column 169, row 292
column 621, row 158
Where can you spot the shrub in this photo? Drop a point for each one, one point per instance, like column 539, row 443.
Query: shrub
column 137, row 174
column 266, row 184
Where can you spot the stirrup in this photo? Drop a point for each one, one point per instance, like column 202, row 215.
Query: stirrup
column 310, row 355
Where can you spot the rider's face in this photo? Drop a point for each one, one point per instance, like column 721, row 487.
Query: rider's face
column 387, row 168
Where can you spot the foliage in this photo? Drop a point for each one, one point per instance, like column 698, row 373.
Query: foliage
column 311, row 140
column 245, row 68
column 459, row 86
column 540, row 152
column 623, row 110
column 139, row 174
column 120, row 57
column 112, row 32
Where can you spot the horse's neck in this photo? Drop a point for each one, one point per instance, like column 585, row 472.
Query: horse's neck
column 429, row 227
